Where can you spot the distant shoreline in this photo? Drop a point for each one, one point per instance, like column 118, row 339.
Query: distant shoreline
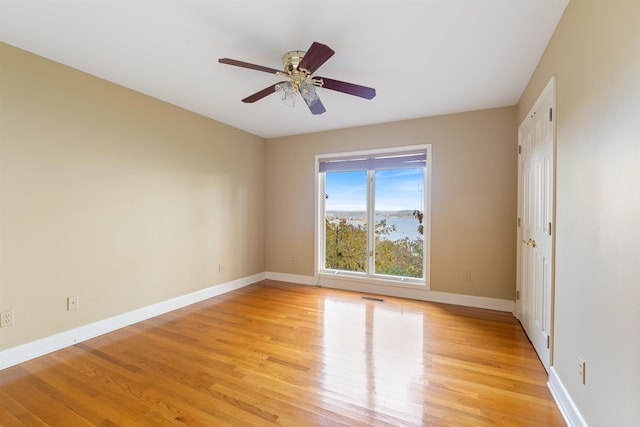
column 361, row 215
column 404, row 223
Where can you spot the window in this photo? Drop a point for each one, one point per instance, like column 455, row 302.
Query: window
column 373, row 214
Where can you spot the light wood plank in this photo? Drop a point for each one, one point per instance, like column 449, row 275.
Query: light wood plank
column 278, row 354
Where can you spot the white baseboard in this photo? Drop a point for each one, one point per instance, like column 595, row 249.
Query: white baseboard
column 569, row 410
column 402, row 292
column 33, row 349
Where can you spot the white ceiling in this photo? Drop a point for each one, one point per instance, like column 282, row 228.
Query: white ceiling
column 424, row 58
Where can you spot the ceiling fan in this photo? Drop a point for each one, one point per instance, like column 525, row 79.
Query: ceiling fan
column 298, row 68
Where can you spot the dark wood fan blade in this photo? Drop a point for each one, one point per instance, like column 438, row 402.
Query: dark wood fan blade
column 242, row 64
column 317, row 107
column 350, row 88
column 317, row 55
column 261, row 94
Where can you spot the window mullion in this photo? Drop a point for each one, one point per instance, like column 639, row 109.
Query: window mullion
column 371, row 220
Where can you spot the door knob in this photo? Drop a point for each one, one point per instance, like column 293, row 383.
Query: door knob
column 530, row 242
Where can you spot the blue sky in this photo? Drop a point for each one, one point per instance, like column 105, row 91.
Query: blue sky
column 396, row 189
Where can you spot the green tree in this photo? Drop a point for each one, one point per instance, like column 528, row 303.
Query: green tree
column 399, row 257
column 346, row 245
column 346, row 249
column 419, row 216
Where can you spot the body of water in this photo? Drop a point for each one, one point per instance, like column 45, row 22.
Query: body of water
column 405, row 227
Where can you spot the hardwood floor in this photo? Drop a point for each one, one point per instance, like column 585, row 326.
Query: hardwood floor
column 281, row 354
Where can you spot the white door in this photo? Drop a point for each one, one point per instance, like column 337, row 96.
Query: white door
column 535, row 217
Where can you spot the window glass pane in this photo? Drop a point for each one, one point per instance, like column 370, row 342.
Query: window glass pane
column 399, row 209
column 346, row 221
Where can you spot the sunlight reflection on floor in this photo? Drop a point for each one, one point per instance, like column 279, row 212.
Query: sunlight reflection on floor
column 373, row 356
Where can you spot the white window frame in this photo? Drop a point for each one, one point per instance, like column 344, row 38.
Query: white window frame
column 371, row 276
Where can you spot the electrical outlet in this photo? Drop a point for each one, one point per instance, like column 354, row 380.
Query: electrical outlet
column 73, row 302
column 582, row 370
column 466, row 276
column 6, row 318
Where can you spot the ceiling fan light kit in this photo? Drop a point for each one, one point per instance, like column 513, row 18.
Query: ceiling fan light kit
column 298, row 66
column 289, row 94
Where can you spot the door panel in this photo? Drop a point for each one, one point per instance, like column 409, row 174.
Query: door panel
column 535, row 206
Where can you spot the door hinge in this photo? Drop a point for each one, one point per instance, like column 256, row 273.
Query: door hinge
column 549, row 229
column 550, row 114
column 548, row 341
column 519, row 149
column 517, row 295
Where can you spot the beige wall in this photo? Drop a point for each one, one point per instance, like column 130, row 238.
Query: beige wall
column 473, row 196
column 595, row 53
column 116, row 197
column 127, row 201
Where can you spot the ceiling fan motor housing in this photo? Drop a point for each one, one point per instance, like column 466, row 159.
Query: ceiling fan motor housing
column 291, row 60
column 299, row 76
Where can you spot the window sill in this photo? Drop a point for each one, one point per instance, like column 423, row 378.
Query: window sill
column 419, row 284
